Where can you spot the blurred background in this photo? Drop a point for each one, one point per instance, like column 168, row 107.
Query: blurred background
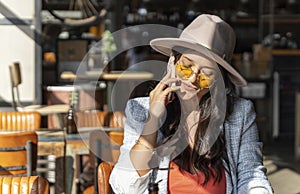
column 51, row 38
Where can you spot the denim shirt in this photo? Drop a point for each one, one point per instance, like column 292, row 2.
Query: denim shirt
column 246, row 172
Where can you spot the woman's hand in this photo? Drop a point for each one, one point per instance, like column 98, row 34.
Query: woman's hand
column 147, row 141
column 159, row 96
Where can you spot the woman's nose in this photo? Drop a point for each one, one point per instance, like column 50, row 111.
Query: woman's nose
column 194, row 78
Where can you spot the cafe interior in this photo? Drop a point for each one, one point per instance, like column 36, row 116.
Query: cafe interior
column 69, row 67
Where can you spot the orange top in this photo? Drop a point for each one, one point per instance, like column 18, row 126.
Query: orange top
column 185, row 182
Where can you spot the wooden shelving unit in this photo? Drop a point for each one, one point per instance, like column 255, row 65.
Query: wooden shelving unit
column 286, row 52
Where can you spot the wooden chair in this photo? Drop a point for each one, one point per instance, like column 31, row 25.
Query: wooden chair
column 101, row 119
column 20, row 121
column 24, row 184
column 104, row 170
column 105, row 145
column 18, row 153
column 16, row 80
column 106, row 151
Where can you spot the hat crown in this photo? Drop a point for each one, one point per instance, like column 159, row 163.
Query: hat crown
column 213, row 33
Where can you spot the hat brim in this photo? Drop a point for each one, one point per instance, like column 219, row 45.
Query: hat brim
column 165, row 45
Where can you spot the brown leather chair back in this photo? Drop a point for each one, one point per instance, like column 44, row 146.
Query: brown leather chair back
column 25, row 184
column 104, row 170
column 114, row 119
column 109, row 146
column 108, row 149
column 18, row 153
column 16, row 121
column 101, row 119
column 106, row 146
column 116, row 136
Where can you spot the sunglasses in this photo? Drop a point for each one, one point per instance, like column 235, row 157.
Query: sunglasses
column 205, row 77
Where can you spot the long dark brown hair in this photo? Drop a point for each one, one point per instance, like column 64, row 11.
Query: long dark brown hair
column 210, row 163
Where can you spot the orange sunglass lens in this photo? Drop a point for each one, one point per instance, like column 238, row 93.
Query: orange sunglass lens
column 183, row 72
column 204, row 81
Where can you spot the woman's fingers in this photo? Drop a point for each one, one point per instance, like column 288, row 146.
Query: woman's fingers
column 165, row 80
column 159, row 100
column 159, row 95
column 171, row 89
column 161, row 91
column 167, row 76
column 166, row 83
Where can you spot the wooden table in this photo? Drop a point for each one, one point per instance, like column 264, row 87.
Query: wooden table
column 112, row 75
column 110, row 78
column 51, row 157
column 65, row 148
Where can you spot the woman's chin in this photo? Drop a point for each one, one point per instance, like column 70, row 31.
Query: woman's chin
column 187, row 94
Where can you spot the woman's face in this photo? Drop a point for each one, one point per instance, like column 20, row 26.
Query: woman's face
column 196, row 73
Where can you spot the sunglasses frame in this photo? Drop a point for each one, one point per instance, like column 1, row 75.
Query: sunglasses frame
column 186, row 77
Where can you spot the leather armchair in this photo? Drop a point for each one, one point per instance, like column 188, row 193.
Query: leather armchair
column 16, row 121
column 110, row 148
column 18, row 153
column 101, row 119
column 104, row 170
column 24, row 185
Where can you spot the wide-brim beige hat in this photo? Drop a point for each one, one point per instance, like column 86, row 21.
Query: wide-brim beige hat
column 210, row 36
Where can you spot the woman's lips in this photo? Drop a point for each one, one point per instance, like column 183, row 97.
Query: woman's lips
column 189, row 87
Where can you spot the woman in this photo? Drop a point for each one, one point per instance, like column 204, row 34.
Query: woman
column 190, row 133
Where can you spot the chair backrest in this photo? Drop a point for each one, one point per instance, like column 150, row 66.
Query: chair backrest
column 105, row 145
column 16, row 80
column 17, row 121
column 105, row 148
column 24, row 184
column 116, row 136
column 102, row 143
column 101, row 119
column 18, row 153
column 104, row 170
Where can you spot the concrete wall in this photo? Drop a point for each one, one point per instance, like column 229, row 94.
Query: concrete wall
column 19, row 41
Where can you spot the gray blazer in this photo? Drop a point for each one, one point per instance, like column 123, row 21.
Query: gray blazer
column 247, row 172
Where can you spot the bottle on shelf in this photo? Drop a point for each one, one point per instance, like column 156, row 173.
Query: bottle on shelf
column 70, row 118
column 246, row 64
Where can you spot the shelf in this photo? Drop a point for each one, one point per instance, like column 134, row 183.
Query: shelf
column 285, row 19
column 246, row 20
column 286, row 52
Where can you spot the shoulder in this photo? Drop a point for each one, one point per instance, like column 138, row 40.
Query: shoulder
column 242, row 106
column 242, row 103
column 242, row 110
column 137, row 109
column 138, row 104
column 241, row 123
